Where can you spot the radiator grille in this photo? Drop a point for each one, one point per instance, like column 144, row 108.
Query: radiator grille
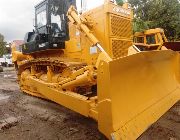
column 120, row 27
column 120, row 48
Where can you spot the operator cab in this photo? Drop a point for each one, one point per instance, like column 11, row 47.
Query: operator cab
column 51, row 26
column 50, row 18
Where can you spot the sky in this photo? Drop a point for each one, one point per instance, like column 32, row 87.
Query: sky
column 16, row 17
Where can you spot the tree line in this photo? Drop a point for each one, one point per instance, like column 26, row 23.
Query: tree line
column 164, row 14
column 3, row 49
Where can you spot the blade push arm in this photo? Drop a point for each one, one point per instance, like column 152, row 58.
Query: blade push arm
column 79, row 21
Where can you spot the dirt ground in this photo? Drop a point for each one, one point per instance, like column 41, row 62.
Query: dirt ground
column 23, row 117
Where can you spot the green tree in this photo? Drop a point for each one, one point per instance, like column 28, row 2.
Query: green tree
column 157, row 14
column 2, row 45
column 120, row 2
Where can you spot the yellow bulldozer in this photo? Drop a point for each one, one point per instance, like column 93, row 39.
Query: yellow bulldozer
column 81, row 61
column 154, row 39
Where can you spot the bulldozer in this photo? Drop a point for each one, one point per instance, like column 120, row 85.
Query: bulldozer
column 82, row 61
column 154, row 39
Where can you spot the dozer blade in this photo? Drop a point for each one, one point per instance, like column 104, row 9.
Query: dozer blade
column 175, row 46
column 135, row 91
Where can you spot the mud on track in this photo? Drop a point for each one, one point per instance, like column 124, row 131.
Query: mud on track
column 23, row 117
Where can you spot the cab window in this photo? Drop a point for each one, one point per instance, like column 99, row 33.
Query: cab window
column 150, row 39
column 139, row 40
column 41, row 16
column 163, row 38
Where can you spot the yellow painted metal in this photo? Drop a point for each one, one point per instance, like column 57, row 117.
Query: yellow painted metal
column 113, row 32
column 159, row 35
column 70, row 100
column 18, row 56
column 134, row 92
